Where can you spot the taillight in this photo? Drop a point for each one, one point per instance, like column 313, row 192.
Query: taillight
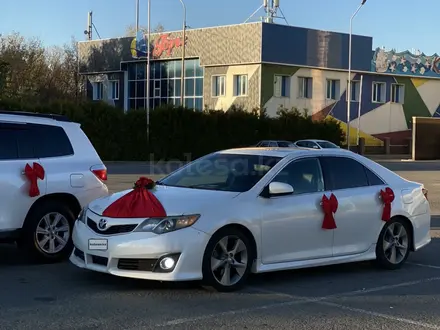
column 100, row 172
column 425, row 193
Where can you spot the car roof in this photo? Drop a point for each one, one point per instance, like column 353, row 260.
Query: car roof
column 283, row 152
column 23, row 117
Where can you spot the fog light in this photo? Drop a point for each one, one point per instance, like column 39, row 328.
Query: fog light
column 167, row 263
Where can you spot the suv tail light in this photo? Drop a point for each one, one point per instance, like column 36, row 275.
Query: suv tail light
column 100, row 172
column 425, row 193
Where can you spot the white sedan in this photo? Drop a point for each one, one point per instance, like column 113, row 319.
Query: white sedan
column 253, row 210
column 315, row 144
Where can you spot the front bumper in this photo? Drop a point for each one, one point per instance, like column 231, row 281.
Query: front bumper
column 136, row 255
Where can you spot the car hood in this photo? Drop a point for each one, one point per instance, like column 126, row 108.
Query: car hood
column 175, row 200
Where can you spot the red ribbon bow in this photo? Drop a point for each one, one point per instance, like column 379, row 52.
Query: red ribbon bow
column 33, row 174
column 387, row 197
column 330, row 206
column 138, row 203
column 144, row 182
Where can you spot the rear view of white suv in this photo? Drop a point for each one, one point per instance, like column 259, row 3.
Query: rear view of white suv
column 49, row 171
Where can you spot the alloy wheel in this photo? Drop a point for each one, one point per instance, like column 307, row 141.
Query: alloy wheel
column 395, row 243
column 229, row 260
column 52, row 233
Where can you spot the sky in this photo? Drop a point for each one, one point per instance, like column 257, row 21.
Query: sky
column 399, row 24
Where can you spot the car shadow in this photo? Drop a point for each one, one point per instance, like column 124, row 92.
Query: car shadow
column 10, row 256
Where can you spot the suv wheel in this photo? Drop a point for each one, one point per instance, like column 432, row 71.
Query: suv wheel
column 47, row 232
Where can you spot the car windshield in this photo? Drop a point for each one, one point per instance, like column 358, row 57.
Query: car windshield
column 221, row 171
column 326, row 144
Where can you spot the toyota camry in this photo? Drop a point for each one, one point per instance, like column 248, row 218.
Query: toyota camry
column 254, row 210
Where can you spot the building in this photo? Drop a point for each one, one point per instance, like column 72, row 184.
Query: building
column 265, row 65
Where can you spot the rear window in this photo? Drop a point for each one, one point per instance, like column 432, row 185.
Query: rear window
column 52, row 141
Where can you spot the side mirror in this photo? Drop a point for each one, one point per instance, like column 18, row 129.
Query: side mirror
column 315, row 147
column 280, row 188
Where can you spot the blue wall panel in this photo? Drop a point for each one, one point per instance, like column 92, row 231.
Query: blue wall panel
column 300, row 46
column 339, row 111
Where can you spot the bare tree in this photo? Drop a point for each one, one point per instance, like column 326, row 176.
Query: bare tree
column 30, row 71
column 130, row 31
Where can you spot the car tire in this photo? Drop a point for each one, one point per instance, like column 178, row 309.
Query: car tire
column 30, row 242
column 239, row 263
column 393, row 245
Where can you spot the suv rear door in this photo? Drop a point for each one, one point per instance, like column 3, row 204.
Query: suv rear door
column 16, row 150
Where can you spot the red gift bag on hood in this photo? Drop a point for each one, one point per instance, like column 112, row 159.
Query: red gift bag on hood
column 138, row 203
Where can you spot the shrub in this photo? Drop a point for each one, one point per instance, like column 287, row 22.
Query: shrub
column 176, row 132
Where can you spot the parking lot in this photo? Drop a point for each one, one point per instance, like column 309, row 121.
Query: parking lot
column 352, row 296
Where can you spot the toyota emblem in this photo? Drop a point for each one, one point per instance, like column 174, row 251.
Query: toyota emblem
column 102, row 224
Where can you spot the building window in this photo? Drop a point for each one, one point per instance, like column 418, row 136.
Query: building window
column 218, row 86
column 332, row 89
column 165, row 84
column 355, row 91
column 98, row 90
column 240, row 85
column 305, row 85
column 378, row 92
column 114, row 89
column 282, row 86
column 397, row 93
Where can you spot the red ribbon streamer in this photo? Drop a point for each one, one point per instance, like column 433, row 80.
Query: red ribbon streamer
column 139, row 203
column 33, row 174
column 330, row 206
column 387, row 197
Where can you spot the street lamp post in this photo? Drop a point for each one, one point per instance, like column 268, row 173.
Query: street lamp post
column 148, row 69
column 182, row 91
column 349, row 74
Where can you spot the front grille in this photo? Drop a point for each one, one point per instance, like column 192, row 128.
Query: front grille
column 146, row 265
column 79, row 254
column 99, row 260
column 118, row 229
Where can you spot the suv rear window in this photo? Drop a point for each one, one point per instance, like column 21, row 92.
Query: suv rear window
column 18, row 141
column 52, row 141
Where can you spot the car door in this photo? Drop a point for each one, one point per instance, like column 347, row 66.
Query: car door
column 16, row 151
column 291, row 224
column 358, row 217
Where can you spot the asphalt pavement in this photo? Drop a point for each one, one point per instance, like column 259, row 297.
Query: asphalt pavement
column 351, row 296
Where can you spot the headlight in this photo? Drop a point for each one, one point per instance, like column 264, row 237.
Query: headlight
column 168, row 224
column 82, row 214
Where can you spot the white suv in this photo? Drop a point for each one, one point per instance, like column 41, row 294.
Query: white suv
column 49, row 171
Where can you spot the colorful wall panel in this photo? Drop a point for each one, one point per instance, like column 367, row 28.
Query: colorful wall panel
column 405, row 63
column 420, row 97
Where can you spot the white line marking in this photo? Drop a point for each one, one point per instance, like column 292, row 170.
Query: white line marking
column 298, row 300
column 384, row 316
column 423, row 265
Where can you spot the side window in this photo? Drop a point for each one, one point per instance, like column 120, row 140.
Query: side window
column 343, row 173
column 264, row 144
column 8, row 144
column 303, row 175
column 273, row 144
column 16, row 142
column 373, row 179
column 283, row 144
column 313, row 145
column 301, row 144
column 52, row 141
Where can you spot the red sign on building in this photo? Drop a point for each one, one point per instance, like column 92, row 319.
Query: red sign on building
column 165, row 44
